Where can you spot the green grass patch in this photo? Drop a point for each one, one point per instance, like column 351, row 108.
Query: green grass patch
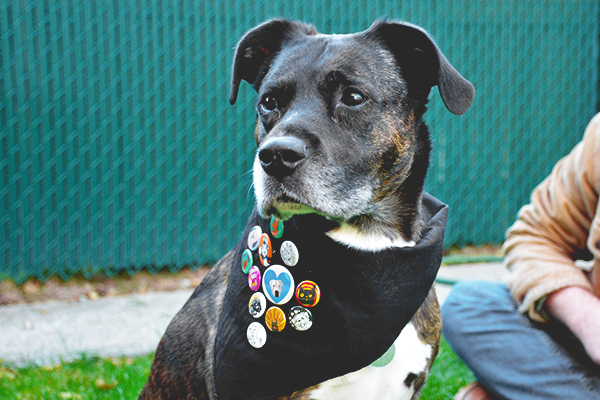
column 84, row 379
column 447, row 375
column 123, row 378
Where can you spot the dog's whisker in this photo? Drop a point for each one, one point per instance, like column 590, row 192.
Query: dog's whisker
column 250, row 189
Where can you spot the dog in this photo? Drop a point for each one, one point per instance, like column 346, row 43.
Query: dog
column 276, row 287
column 342, row 155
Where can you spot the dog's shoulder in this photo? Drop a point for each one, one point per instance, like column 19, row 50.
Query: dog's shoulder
column 183, row 361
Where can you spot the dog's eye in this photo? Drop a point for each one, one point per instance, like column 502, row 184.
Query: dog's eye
column 352, row 97
column 269, row 103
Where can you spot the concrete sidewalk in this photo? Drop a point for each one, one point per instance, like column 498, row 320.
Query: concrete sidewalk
column 48, row 332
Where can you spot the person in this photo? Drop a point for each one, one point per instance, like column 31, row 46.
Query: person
column 538, row 335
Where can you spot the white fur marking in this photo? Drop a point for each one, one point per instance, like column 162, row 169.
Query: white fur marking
column 352, row 237
column 381, row 383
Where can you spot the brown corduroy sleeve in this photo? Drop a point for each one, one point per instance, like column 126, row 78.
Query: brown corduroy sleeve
column 549, row 232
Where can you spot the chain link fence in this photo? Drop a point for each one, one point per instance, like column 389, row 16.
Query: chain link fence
column 119, row 150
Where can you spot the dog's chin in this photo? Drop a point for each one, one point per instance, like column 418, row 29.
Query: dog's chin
column 285, row 210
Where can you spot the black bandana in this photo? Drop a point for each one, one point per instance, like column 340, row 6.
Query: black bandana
column 366, row 300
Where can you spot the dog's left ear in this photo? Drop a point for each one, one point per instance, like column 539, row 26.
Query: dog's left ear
column 423, row 64
column 258, row 48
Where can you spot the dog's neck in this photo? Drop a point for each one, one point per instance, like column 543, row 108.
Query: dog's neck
column 350, row 236
column 395, row 220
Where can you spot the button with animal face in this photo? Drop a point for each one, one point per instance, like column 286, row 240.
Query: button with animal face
column 276, row 227
column 308, row 293
column 254, row 278
column 257, row 335
column 257, row 304
column 275, row 319
column 278, row 284
column 246, row 261
column 265, row 250
column 300, row 318
column 254, row 237
column 289, row 253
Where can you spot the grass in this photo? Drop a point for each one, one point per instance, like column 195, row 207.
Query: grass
column 123, row 378
column 83, row 379
column 447, row 375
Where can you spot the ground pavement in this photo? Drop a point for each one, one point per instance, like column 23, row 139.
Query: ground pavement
column 48, row 332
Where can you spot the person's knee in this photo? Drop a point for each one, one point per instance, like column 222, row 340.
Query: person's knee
column 467, row 303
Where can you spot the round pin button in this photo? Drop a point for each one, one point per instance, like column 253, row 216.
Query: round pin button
column 265, row 250
column 246, row 261
column 276, row 227
column 278, row 284
column 257, row 305
column 275, row 319
column 300, row 318
column 257, row 335
column 308, row 293
column 254, row 237
column 254, row 278
column 289, row 253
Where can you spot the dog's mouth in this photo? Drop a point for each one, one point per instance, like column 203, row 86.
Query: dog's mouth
column 325, row 194
column 284, row 207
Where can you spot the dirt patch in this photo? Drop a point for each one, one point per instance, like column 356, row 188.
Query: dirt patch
column 79, row 288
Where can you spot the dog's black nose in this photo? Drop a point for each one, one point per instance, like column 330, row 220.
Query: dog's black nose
column 281, row 156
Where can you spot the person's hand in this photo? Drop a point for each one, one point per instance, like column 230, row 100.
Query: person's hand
column 579, row 310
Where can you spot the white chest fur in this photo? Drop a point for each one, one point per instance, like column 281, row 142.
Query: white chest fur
column 351, row 237
column 381, row 383
column 411, row 355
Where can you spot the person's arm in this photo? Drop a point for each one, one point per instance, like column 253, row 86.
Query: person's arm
column 549, row 233
column 579, row 310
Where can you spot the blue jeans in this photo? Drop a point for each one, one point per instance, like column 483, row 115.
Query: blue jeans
column 512, row 356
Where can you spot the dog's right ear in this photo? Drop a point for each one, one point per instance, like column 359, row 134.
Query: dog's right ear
column 422, row 61
column 258, row 48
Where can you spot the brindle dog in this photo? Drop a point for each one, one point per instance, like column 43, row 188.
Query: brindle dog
column 340, row 133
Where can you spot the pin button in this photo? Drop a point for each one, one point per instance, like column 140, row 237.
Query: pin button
column 265, row 250
column 254, row 278
column 300, row 318
column 254, row 237
column 275, row 319
column 246, row 261
column 278, row 284
column 276, row 227
column 289, row 253
column 308, row 293
column 257, row 305
column 257, row 335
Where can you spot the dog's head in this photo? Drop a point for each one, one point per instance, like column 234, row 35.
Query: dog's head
column 276, row 286
column 339, row 129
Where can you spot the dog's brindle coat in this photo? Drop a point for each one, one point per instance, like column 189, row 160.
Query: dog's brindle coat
column 339, row 133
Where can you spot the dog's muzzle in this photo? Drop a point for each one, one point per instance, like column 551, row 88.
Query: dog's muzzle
column 281, row 156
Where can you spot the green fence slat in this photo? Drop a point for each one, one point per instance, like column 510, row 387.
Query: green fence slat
column 119, row 149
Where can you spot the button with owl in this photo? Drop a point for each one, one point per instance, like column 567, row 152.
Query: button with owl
column 265, row 250
column 275, row 319
column 308, row 293
column 276, row 227
column 246, row 261
column 254, row 278
column 289, row 253
column 257, row 335
column 254, row 237
column 300, row 318
column 257, row 305
column 278, row 284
